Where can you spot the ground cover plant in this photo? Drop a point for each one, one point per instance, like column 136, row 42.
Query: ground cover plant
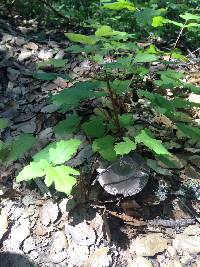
column 120, row 87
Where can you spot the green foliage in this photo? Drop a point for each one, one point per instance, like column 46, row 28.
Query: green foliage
column 11, row 151
column 72, row 96
column 189, row 131
column 69, row 125
column 105, row 147
column 58, row 152
column 47, row 163
column 153, row 144
column 119, row 5
column 94, row 127
column 80, row 38
column 125, row 147
column 3, row 123
column 120, row 48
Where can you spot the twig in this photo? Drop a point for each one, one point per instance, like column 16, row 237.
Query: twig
column 176, row 42
column 189, row 210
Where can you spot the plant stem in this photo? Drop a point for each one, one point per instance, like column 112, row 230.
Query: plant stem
column 114, row 104
column 176, row 42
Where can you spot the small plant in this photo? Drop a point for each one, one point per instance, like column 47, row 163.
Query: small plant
column 118, row 65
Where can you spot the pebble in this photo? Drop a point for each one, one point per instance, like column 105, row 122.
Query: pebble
column 49, row 108
column 171, row 251
column 28, row 245
column 190, row 244
column 149, row 245
column 140, row 262
column 45, row 55
column 174, row 263
column 24, row 55
column 100, row 258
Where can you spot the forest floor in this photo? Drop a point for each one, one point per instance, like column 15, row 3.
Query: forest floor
column 40, row 228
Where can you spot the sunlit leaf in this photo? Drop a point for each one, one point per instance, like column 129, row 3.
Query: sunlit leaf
column 153, row 144
column 80, row 38
column 125, row 147
column 58, row 152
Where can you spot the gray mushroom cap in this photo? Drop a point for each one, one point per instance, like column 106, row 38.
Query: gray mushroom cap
column 127, row 176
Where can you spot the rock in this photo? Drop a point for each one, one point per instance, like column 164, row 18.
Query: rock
column 192, row 230
column 190, row 244
column 60, row 54
column 24, row 55
column 3, row 190
column 17, row 235
column 171, row 252
column 174, row 263
column 49, row 108
column 140, row 262
column 12, row 74
column 3, row 223
column 28, row 200
column 149, row 245
column 81, row 233
column 6, row 38
column 31, row 46
column 27, row 127
column 59, row 242
column 45, row 55
column 48, row 213
column 28, row 245
column 100, row 258
column 77, row 254
column 19, row 41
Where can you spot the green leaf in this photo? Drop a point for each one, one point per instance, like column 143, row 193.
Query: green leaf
column 154, row 166
column 105, row 31
column 105, row 147
column 158, row 21
column 144, row 57
column 57, row 63
column 170, row 161
column 58, row 152
column 125, row 147
column 31, row 171
column 144, row 17
column 190, row 25
column 94, row 127
column 80, row 38
column 3, row 123
column 72, row 96
column 189, row 131
column 153, row 144
column 126, row 120
column 193, row 88
column 120, row 87
column 45, row 76
column 189, row 16
column 18, row 147
column 62, row 176
column 180, row 25
column 68, row 125
column 119, row 5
